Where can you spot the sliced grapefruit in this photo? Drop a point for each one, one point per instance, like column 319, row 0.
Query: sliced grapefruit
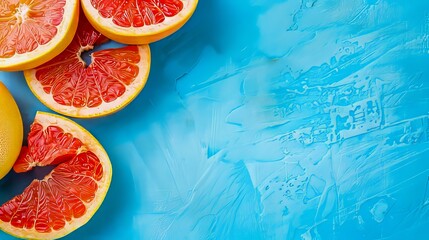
column 71, row 193
column 138, row 21
column 69, row 86
column 33, row 32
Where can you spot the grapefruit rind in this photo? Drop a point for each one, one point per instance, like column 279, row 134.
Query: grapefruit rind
column 11, row 131
column 104, row 109
column 44, row 53
column 138, row 35
column 92, row 144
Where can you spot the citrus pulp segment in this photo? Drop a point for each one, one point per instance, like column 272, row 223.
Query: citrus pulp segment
column 139, row 21
column 69, row 86
column 33, row 32
column 71, row 193
column 11, row 131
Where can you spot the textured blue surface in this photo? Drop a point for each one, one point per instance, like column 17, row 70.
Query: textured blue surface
column 271, row 119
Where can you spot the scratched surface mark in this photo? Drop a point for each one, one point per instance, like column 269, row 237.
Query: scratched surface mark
column 271, row 119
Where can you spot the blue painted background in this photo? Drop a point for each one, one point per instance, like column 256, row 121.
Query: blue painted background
column 271, row 119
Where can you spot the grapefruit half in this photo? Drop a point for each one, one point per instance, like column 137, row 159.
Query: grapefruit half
column 69, row 86
column 71, row 193
column 138, row 21
column 33, row 32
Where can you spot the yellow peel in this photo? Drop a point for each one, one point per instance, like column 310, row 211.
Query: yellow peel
column 11, row 131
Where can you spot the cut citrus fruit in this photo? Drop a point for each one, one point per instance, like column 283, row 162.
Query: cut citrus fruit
column 139, row 21
column 11, row 131
column 67, row 197
column 33, row 32
column 69, row 86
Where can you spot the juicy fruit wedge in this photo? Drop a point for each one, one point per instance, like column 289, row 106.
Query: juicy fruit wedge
column 11, row 131
column 139, row 21
column 33, row 32
column 69, row 86
column 71, row 193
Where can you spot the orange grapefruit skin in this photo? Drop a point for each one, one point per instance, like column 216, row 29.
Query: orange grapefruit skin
column 135, row 36
column 37, row 58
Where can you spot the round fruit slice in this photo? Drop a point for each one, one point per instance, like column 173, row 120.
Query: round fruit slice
column 11, row 131
column 71, row 193
column 139, row 21
column 69, row 86
column 33, row 32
